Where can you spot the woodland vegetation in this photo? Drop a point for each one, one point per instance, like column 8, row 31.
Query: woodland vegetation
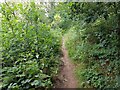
column 31, row 36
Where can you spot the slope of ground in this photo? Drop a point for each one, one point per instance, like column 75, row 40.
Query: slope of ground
column 66, row 77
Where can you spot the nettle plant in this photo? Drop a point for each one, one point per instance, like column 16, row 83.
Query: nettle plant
column 29, row 51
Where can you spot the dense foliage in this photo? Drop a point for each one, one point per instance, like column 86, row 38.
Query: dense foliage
column 31, row 36
column 97, row 42
column 30, row 51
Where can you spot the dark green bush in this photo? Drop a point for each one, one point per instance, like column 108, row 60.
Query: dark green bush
column 97, row 42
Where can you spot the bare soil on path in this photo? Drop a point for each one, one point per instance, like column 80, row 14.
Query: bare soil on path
column 66, row 77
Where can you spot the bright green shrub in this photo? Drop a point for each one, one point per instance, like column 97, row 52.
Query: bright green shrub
column 30, row 52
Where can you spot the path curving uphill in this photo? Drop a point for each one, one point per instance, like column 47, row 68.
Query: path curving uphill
column 66, row 77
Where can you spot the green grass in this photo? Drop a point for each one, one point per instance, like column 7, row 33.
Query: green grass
column 79, row 68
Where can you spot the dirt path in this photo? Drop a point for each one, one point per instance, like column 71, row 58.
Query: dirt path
column 66, row 78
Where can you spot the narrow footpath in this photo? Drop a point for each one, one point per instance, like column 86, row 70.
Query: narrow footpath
column 66, row 77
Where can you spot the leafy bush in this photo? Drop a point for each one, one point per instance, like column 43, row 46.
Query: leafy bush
column 30, row 52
